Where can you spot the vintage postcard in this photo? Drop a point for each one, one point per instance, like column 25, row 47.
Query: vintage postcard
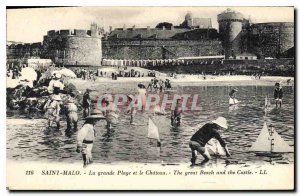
column 150, row 98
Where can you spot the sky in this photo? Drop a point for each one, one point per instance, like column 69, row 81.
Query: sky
column 30, row 25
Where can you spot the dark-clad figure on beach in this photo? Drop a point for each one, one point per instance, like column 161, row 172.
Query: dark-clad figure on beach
column 86, row 136
column 86, row 103
column 204, row 134
column 278, row 94
column 52, row 108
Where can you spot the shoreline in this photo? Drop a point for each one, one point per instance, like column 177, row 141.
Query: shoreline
column 188, row 80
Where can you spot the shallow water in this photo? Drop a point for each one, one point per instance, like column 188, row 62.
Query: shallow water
column 129, row 143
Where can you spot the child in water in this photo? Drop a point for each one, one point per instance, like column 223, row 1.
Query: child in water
column 110, row 112
column 278, row 94
column 131, row 107
column 86, row 136
column 232, row 95
column 71, row 113
column 176, row 113
column 52, row 108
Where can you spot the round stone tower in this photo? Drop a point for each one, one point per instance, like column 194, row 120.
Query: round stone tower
column 189, row 19
column 230, row 30
column 78, row 47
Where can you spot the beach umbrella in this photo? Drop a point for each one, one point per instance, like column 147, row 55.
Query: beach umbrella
column 29, row 74
column 66, row 72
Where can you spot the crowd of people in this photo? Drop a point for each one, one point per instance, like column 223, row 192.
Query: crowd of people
column 55, row 106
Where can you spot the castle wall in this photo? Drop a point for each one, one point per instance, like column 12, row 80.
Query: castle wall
column 159, row 49
column 271, row 39
column 68, row 48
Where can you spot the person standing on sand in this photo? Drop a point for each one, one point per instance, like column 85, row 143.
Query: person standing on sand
column 52, row 108
column 86, row 103
column 86, row 136
column 204, row 134
column 278, row 94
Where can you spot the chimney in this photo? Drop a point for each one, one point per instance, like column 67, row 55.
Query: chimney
column 148, row 28
column 163, row 28
column 124, row 27
column 110, row 28
column 133, row 27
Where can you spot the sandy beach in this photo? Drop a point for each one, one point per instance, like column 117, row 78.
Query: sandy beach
column 109, row 85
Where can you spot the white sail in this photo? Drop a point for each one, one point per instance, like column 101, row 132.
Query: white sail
column 270, row 143
column 152, row 130
column 214, row 147
column 279, row 144
column 263, row 141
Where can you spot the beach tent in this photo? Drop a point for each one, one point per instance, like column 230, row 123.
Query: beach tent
column 28, row 73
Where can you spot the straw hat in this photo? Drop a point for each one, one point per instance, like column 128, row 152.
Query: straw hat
column 221, row 121
column 56, row 97
column 95, row 114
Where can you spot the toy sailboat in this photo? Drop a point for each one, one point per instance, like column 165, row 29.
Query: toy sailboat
column 153, row 132
column 270, row 142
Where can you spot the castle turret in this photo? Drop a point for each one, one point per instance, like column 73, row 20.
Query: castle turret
column 94, row 30
column 230, row 29
column 189, row 19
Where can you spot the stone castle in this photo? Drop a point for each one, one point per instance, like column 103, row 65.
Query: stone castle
column 194, row 37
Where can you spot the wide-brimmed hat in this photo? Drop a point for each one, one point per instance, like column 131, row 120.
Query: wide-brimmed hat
column 95, row 114
column 56, row 97
column 235, row 89
column 221, row 121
